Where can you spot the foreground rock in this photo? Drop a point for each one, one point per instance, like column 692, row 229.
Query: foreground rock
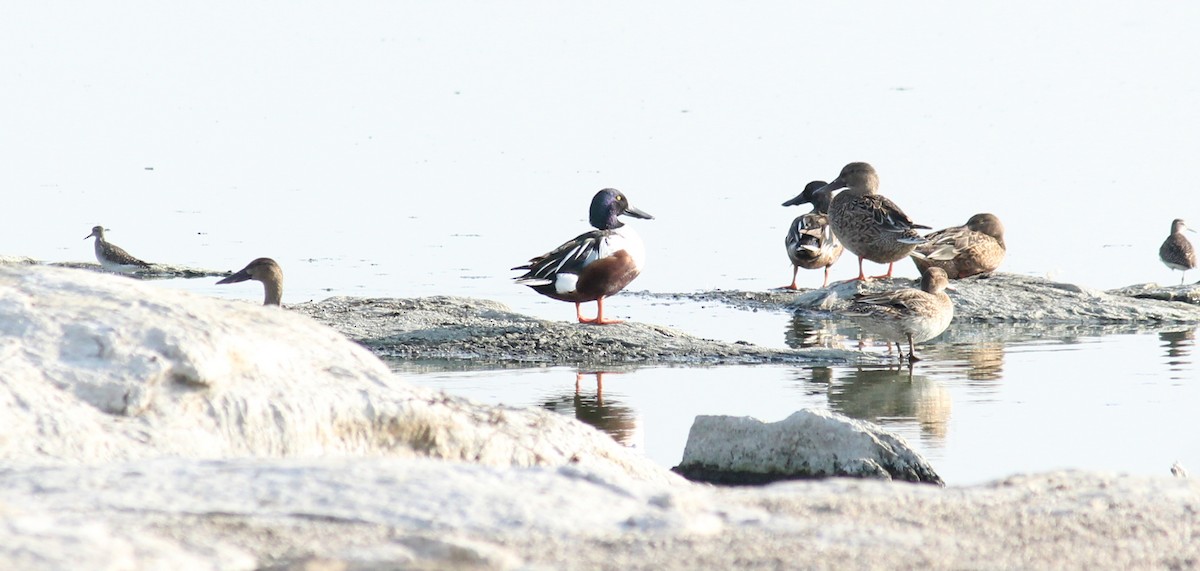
column 144, row 428
column 808, row 444
column 998, row 298
column 102, row 368
column 488, row 332
column 386, row 513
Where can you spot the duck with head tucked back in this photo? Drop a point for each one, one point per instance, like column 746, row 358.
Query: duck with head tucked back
column 914, row 315
column 810, row 241
column 111, row 256
column 868, row 224
column 1176, row 251
column 595, row 264
column 263, row 270
column 964, row 251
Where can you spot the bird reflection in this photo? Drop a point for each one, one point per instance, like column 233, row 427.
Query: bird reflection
column 807, row 331
column 620, row 422
column 890, row 394
column 1177, row 347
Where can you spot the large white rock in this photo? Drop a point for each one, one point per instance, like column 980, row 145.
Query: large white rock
column 100, row 368
column 807, row 444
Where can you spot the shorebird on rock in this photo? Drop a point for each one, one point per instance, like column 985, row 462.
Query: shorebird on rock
column 1176, row 251
column 111, row 256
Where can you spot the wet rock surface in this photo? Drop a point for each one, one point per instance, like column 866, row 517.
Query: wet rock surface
column 994, row 298
column 484, row 331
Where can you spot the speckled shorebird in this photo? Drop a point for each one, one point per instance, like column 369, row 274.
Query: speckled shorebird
column 111, row 256
column 810, row 241
column 909, row 314
column 595, row 264
column 263, row 270
column 963, row 251
column 869, row 224
column 1176, row 251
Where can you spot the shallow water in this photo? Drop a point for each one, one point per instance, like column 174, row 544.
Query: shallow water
column 383, row 149
column 986, row 402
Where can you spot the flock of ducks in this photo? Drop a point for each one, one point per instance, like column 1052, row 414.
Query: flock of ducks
column 600, row 263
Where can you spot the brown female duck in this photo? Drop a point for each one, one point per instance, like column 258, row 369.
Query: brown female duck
column 810, row 241
column 963, row 251
column 869, row 224
column 913, row 314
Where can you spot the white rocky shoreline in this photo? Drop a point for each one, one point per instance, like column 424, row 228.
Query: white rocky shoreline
column 149, row 429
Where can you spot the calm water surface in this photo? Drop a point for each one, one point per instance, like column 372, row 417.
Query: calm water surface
column 392, row 149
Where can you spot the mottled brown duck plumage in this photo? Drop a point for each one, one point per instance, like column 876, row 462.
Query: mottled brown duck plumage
column 915, row 315
column 974, row 248
column 869, row 224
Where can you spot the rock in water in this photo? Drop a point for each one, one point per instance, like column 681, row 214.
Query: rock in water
column 808, row 444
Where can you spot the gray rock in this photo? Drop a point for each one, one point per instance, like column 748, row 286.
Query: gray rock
column 808, row 444
column 1178, row 293
column 488, row 332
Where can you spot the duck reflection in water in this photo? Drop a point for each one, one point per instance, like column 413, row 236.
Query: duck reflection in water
column 620, row 422
column 806, row 330
column 892, row 396
column 1177, row 348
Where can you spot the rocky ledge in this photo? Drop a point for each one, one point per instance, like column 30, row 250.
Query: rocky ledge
column 484, row 331
column 994, row 298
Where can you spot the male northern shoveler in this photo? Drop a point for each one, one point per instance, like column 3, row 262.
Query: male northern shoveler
column 810, row 241
column 1176, row 251
column 263, row 270
column 595, row 264
column 963, row 251
column 869, row 224
column 913, row 314
column 111, row 256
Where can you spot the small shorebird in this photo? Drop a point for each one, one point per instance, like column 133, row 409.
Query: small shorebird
column 870, row 225
column 595, row 264
column 1176, row 251
column 963, row 251
column 810, row 241
column 111, row 256
column 909, row 314
column 263, row 270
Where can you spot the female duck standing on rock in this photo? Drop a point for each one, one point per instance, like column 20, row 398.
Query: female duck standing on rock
column 595, row 264
column 914, row 314
column 810, row 241
column 869, row 224
column 1176, row 251
column 263, row 270
column 964, row 251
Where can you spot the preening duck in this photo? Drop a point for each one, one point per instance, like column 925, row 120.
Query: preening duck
column 595, row 264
